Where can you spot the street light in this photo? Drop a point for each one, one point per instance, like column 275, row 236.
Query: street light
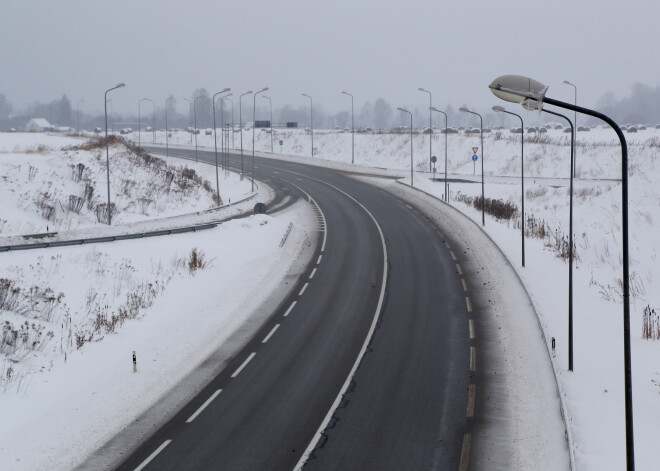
column 112, row 114
column 107, row 147
column 232, row 122
column 411, row 143
column 254, row 122
column 189, row 118
column 195, row 129
column 446, row 119
column 311, row 118
column 430, row 125
column 215, row 142
column 78, row 115
column 154, row 123
column 240, row 124
column 352, row 129
column 270, row 103
column 225, row 140
column 481, row 132
column 167, row 134
column 500, row 109
column 516, row 89
column 575, row 121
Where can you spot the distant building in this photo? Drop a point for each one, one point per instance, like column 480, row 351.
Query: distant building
column 38, row 125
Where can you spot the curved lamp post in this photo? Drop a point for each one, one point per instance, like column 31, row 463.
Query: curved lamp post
column 240, row 124
column 270, row 104
column 574, row 121
column 430, row 125
column 107, row 148
column 195, row 129
column 481, row 132
column 431, row 108
column 500, row 109
column 167, row 133
column 411, row 142
column 78, row 115
column 189, row 118
column 139, row 125
column 516, row 89
column 225, row 133
column 254, row 121
column 352, row 128
column 311, row 118
column 215, row 143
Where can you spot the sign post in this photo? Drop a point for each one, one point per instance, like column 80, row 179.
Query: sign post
column 475, row 157
column 434, row 159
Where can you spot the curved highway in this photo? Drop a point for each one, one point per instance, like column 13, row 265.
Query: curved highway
column 365, row 366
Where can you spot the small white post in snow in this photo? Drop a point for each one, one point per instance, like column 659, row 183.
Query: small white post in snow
column 553, row 347
column 134, row 362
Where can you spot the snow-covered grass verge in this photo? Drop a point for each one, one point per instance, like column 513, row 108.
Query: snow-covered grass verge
column 75, row 388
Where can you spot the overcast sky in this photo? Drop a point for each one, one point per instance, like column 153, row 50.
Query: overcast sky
column 370, row 48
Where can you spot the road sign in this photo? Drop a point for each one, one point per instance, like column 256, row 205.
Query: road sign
column 281, row 143
column 434, row 159
column 474, row 150
column 475, row 157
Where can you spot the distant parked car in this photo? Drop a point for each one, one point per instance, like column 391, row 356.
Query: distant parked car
column 583, row 129
column 450, row 131
column 516, row 130
column 148, row 129
column 427, row 131
column 568, row 129
column 542, row 130
column 531, row 129
column 97, row 130
column 473, row 131
column 12, row 129
column 631, row 129
column 209, row 131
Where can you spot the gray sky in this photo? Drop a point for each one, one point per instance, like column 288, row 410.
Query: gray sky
column 370, row 48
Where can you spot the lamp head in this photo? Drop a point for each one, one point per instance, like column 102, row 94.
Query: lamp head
column 498, row 109
column 121, row 84
column 532, row 105
column 403, row 109
column 517, row 88
column 433, row 108
column 463, row 109
column 263, row 90
column 567, row 82
column 421, row 89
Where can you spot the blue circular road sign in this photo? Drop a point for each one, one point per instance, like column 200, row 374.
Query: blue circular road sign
column 475, row 157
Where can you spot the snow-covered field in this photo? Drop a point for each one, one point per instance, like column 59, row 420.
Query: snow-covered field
column 594, row 391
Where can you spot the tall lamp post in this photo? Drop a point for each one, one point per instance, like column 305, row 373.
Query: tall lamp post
column 240, row 123
column 446, row 119
column 189, row 118
column 139, row 118
column 107, row 147
column 78, row 114
column 311, row 118
column 481, row 132
column 195, row 129
column 270, row 104
column 516, row 89
column 500, row 109
column 352, row 129
column 112, row 115
column 215, row 142
column 232, row 123
column 254, row 121
column 225, row 133
column 574, row 121
column 167, row 131
column 411, row 143
column 430, row 125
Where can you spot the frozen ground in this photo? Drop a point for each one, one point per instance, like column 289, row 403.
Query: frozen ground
column 593, row 392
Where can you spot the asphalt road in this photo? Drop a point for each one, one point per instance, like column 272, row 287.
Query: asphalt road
column 382, row 274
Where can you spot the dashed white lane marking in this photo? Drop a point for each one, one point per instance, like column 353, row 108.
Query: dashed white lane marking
column 270, row 334
column 313, row 273
column 409, row 207
column 203, row 406
column 458, row 267
column 153, row 455
column 319, row 260
column 447, row 245
column 303, row 289
column 465, row 453
column 471, row 324
column 464, row 284
column 240, row 368
column 290, row 308
column 471, row 394
column 473, row 359
column 451, row 252
column 469, row 303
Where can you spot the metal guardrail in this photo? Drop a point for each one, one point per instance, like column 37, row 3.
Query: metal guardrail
column 98, row 240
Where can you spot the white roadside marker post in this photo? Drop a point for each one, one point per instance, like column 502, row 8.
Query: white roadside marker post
column 134, row 362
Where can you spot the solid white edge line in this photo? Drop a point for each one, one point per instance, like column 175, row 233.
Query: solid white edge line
column 471, row 324
column 303, row 289
column 325, row 225
column 153, row 455
column 344, row 388
column 267, row 337
column 240, row 368
column 290, row 308
column 203, row 406
column 313, row 273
